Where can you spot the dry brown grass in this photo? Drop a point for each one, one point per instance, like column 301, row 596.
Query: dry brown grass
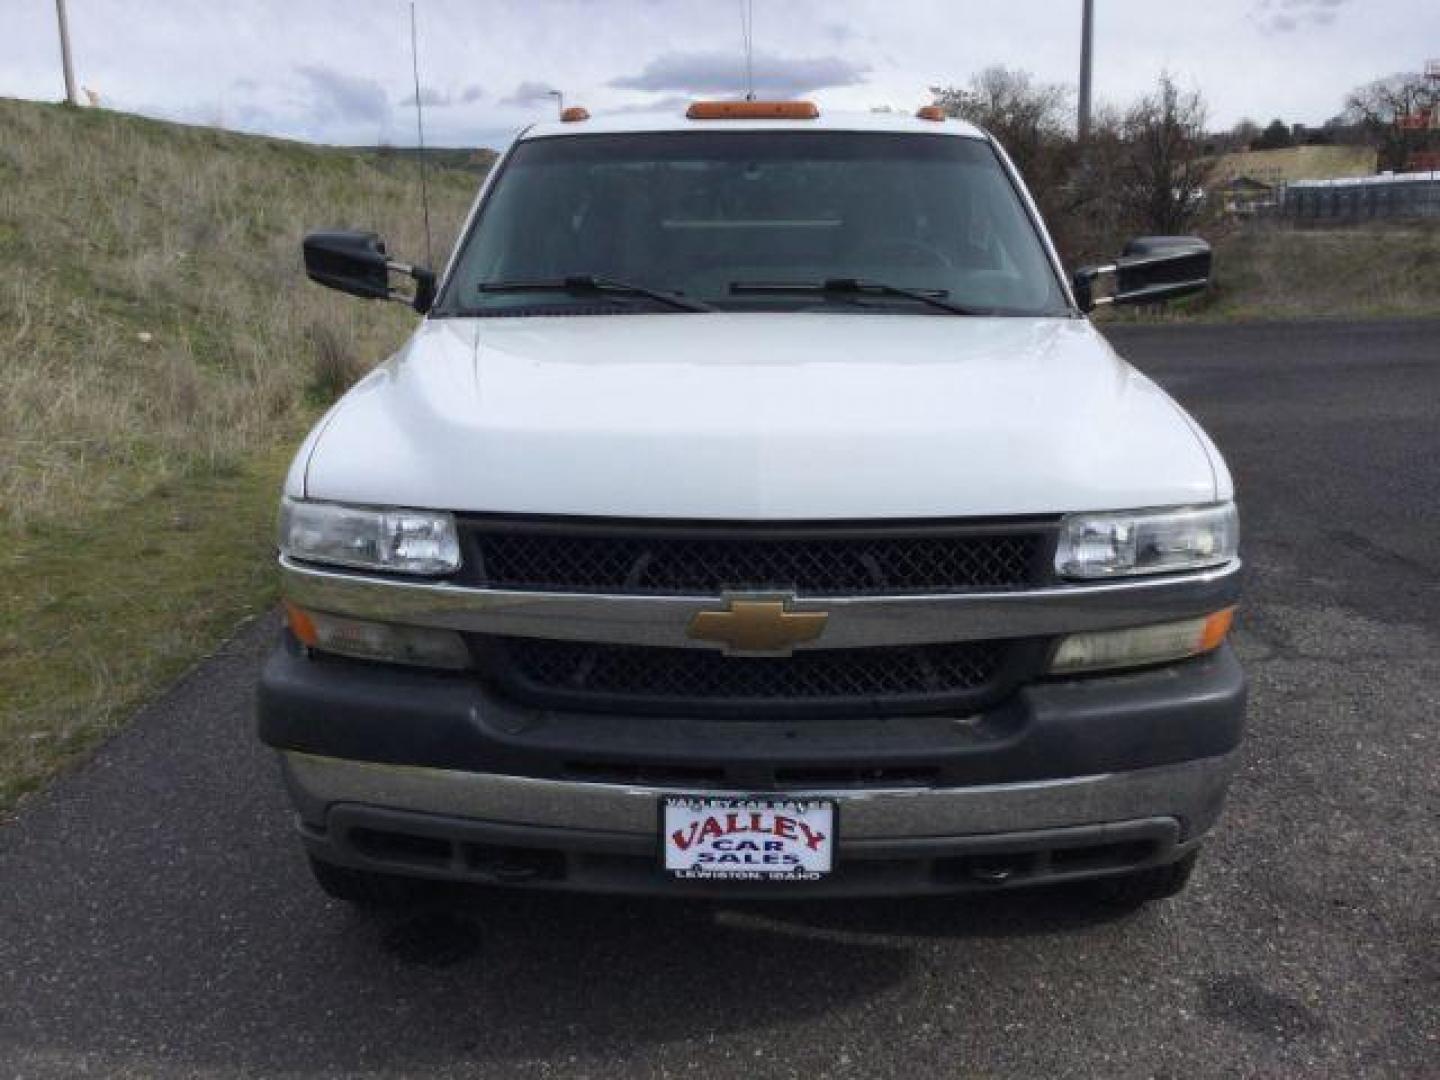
column 1381, row 270
column 156, row 320
column 160, row 354
column 1265, row 271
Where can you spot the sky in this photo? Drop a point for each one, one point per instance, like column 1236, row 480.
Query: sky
column 338, row 71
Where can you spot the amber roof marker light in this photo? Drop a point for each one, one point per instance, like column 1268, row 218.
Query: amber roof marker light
column 574, row 114
column 753, row 110
column 930, row 112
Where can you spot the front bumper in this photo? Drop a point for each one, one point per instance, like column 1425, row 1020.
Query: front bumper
column 429, row 774
column 511, row 830
column 1044, row 731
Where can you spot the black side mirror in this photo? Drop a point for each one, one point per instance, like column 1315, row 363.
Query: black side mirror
column 1152, row 269
column 357, row 263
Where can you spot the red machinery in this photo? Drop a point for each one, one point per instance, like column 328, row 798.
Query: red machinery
column 1424, row 120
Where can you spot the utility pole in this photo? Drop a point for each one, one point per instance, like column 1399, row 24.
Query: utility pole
column 420, row 135
column 559, row 96
column 1087, row 36
column 71, row 97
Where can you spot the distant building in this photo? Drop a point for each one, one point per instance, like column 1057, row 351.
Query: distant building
column 1351, row 200
column 1273, row 168
column 1253, row 181
column 1242, row 195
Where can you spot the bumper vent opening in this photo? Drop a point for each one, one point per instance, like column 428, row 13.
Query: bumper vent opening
column 1102, row 856
column 1000, row 867
column 494, row 862
column 401, row 847
column 513, row 865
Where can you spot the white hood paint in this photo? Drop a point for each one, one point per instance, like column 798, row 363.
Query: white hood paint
column 759, row 417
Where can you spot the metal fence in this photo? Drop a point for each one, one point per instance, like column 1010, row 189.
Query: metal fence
column 1361, row 198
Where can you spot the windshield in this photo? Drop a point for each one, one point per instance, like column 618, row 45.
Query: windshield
column 710, row 215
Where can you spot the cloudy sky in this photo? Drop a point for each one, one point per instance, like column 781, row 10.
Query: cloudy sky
column 339, row 70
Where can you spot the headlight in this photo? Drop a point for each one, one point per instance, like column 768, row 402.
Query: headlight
column 1141, row 645
column 1147, row 541
column 403, row 541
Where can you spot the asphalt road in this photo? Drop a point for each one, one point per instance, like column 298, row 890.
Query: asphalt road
column 156, row 917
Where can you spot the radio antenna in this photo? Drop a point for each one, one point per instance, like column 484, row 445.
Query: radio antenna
column 420, row 135
column 747, row 37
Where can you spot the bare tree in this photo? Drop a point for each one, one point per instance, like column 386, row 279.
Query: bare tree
column 1380, row 108
column 1162, row 177
column 1142, row 169
column 1244, row 133
column 1094, row 219
column 1030, row 119
column 1276, row 136
column 1033, row 121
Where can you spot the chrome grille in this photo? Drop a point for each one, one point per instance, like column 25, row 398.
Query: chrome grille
column 711, row 560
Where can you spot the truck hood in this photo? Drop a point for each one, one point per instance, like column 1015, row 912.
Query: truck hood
column 798, row 416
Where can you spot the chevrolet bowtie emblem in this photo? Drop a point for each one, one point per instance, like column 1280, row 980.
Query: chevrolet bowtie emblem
column 758, row 626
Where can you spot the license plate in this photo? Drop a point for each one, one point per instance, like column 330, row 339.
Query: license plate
column 747, row 839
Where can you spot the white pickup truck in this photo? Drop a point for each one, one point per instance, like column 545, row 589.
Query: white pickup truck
column 755, row 511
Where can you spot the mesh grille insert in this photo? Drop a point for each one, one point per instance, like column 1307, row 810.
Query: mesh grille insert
column 680, row 563
column 704, row 679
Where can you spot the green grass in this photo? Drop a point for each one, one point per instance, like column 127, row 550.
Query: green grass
column 162, row 356
column 97, row 615
column 1386, row 271
column 1363, row 272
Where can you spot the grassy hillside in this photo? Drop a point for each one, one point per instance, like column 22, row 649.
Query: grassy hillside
column 162, row 353
column 1376, row 272
column 1270, row 272
column 477, row 161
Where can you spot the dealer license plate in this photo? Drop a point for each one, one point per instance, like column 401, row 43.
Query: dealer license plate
column 747, row 839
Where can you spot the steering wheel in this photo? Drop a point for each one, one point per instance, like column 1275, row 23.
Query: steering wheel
column 906, row 244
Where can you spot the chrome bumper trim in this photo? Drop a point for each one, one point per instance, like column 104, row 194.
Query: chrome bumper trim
column 855, row 621
column 1191, row 792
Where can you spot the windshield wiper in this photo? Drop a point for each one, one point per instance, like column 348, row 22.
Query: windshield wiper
column 853, row 287
column 582, row 283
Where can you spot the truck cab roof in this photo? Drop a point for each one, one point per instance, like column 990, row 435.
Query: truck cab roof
column 676, row 120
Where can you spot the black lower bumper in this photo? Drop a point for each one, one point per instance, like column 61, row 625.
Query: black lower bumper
column 448, row 848
column 1048, row 730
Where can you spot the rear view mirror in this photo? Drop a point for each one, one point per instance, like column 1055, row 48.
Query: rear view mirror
column 1152, row 269
column 357, row 263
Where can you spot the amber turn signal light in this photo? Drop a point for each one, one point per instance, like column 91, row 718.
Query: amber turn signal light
column 753, row 110
column 930, row 112
column 574, row 114
column 1141, row 646
column 301, row 625
column 1217, row 628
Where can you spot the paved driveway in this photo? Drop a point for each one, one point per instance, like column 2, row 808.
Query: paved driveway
column 156, row 917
